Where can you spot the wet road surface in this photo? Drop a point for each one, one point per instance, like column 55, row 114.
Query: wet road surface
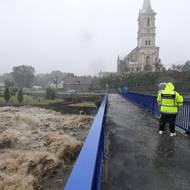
column 140, row 159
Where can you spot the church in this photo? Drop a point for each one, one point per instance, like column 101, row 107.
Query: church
column 145, row 57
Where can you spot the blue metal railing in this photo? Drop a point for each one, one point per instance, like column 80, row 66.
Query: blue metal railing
column 149, row 103
column 86, row 173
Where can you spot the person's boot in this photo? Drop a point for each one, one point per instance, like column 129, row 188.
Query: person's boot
column 172, row 134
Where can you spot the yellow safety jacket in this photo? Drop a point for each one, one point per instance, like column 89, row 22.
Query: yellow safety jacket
column 169, row 100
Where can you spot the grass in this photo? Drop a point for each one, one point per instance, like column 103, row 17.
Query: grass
column 29, row 100
column 83, row 104
column 2, row 100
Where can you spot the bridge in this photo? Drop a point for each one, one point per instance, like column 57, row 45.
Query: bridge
column 123, row 150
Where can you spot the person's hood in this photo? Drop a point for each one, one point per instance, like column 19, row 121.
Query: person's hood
column 169, row 86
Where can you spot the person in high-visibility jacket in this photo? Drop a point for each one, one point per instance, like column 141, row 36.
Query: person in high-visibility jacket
column 169, row 101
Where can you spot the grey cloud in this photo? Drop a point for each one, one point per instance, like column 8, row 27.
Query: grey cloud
column 85, row 36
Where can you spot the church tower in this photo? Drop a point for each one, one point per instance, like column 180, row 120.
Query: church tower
column 146, row 29
column 145, row 57
column 148, row 52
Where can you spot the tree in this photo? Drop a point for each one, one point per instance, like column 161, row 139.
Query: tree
column 42, row 80
column 20, row 96
column 176, row 67
column 23, row 76
column 8, row 80
column 13, row 90
column 56, row 77
column 159, row 67
column 186, row 67
column 50, row 93
column 7, row 95
column 148, row 68
column 8, row 83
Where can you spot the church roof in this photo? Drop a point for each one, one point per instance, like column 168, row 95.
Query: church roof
column 147, row 8
column 121, row 56
column 132, row 52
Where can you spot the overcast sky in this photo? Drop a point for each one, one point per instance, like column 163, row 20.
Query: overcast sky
column 85, row 36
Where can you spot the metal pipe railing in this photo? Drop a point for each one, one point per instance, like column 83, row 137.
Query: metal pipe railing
column 86, row 173
column 149, row 103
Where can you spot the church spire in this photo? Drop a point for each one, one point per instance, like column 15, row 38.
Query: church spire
column 146, row 6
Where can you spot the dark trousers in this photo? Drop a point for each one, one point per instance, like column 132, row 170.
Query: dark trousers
column 167, row 118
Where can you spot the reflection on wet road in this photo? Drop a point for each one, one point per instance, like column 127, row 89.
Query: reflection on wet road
column 140, row 159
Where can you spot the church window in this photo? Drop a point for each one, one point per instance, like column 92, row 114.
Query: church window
column 148, row 21
column 147, row 60
column 147, row 42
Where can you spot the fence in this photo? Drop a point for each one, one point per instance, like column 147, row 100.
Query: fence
column 86, row 173
column 149, row 103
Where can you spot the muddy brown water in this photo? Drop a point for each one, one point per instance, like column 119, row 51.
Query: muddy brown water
column 47, row 141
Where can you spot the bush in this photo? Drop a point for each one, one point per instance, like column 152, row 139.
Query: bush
column 20, row 97
column 7, row 95
column 13, row 90
column 50, row 93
